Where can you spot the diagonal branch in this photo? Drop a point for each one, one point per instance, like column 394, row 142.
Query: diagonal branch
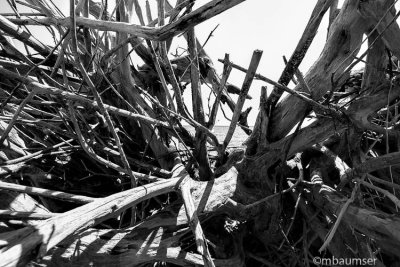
column 194, row 222
column 255, row 60
column 301, row 49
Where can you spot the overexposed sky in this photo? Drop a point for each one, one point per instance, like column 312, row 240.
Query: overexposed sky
column 272, row 26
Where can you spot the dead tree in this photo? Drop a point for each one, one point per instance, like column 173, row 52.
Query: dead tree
column 115, row 179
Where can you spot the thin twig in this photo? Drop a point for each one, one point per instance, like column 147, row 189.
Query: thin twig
column 389, row 195
column 291, row 219
column 339, row 219
column 292, row 186
column 15, row 117
column 43, row 89
column 378, row 180
column 46, row 193
column 35, row 155
column 96, row 157
column 161, row 76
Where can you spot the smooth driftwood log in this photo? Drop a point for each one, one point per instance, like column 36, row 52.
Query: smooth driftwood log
column 38, row 240
column 157, row 238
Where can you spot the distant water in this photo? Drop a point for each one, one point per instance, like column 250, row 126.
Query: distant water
column 220, row 132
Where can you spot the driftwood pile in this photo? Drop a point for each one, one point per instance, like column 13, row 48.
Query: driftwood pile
column 97, row 168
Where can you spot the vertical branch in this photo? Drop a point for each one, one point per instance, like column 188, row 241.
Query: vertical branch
column 150, row 134
column 161, row 13
column 173, row 16
column 225, row 75
column 212, row 77
column 158, row 66
column 168, row 66
column 251, row 72
column 148, row 12
column 175, row 85
column 139, row 12
column 194, row 222
column 126, row 77
column 161, row 76
column 258, row 139
column 97, row 95
column 198, row 112
column 167, row 63
column 88, row 40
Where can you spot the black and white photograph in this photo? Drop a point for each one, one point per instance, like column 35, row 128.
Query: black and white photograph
column 165, row 133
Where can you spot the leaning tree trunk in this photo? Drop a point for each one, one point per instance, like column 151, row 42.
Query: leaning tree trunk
column 117, row 180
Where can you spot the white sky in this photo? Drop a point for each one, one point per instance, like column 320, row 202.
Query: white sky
column 272, row 26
